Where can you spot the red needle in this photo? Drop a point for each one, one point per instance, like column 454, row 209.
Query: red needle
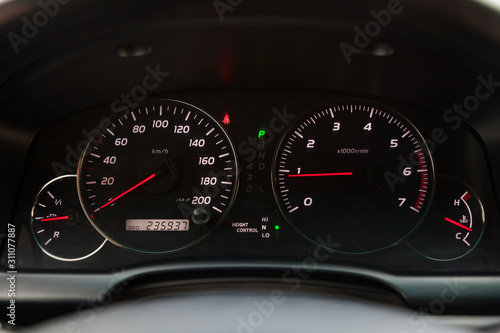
column 129, row 190
column 55, row 218
column 456, row 223
column 322, row 174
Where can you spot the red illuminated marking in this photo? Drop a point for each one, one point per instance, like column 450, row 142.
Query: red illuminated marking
column 55, row 218
column 226, row 120
column 322, row 174
column 458, row 224
column 129, row 190
column 467, row 197
column 424, row 180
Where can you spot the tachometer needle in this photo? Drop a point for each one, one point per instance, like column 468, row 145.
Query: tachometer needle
column 322, row 174
column 458, row 224
column 129, row 190
column 55, row 218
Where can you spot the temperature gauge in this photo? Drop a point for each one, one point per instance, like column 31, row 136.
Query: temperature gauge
column 454, row 225
column 59, row 224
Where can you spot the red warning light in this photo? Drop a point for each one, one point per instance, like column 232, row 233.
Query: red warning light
column 226, row 120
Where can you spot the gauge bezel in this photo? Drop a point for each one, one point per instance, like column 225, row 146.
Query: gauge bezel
column 32, row 219
column 231, row 200
column 483, row 219
column 363, row 101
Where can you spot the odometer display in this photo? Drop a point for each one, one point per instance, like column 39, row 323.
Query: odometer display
column 353, row 176
column 167, row 161
column 157, row 225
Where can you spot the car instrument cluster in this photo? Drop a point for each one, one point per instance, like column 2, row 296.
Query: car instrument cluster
column 344, row 179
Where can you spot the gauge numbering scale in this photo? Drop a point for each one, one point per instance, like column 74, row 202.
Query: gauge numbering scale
column 353, row 176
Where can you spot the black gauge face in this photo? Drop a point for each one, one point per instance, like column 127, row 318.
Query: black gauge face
column 454, row 225
column 159, row 178
column 59, row 224
column 353, row 176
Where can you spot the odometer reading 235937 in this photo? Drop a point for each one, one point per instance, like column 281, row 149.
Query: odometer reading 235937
column 158, row 178
column 353, row 176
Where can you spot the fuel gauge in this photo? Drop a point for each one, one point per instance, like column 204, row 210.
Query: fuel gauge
column 454, row 224
column 59, row 224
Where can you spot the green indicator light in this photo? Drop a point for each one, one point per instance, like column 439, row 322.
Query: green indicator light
column 262, row 133
column 277, row 227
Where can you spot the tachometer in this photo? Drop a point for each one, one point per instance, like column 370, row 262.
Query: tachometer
column 353, row 176
column 158, row 178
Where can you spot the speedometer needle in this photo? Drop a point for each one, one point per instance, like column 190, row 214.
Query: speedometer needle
column 129, row 190
column 322, row 174
column 458, row 224
column 55, row 218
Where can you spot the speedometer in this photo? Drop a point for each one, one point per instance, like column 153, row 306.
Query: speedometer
column 353, row 176
column 158, row 178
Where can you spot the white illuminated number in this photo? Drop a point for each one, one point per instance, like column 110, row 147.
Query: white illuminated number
column 180, row 129
column 109, row 160
column 107, row 181
column 368, row 127
column 298, row 171
column 308, row 202
column 139, row 129
column 402, row 201
column 310, row 143
column 206, row 160
column 160, row 123
column 196, row 142
column 336, row 126
column 208, row 181
column 201, row 200
column 394, row 143
column 121, row 142
column 407, row 171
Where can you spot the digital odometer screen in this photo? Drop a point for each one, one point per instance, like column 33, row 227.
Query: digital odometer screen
column 156, row 225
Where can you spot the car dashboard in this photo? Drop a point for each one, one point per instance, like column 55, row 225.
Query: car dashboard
column 334, row 148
